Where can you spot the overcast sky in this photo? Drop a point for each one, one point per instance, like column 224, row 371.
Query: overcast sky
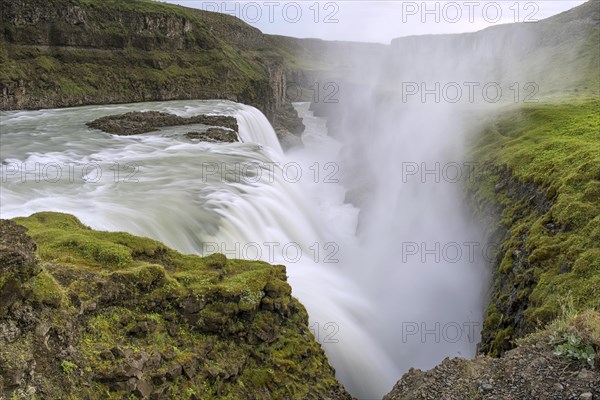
column 380, row 21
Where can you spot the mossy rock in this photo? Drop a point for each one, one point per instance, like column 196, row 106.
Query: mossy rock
column 153, row 321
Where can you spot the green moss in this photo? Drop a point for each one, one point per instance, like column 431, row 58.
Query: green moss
column 125, row 298
column 45, row 290
column 545, row 158
column 201, row 58
column 68, row 367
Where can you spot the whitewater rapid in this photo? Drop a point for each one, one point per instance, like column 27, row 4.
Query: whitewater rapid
column 251, row 200
column 246, row 200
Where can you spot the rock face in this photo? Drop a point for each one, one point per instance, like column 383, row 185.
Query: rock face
column 110, row 314
column 135, row 123
column 530, row 371
column 63, row 53
column 214, row 135
column 18, row 264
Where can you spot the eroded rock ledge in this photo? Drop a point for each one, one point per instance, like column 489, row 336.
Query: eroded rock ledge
column 135, row 123
column 89, row 314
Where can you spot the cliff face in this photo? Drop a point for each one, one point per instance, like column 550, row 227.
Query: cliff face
column 88, row 314
column 62, row 53
column 536, row 188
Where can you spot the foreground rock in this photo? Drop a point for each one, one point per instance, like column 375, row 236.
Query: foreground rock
column 111, row 315
column 531, row 371
column 135, row 123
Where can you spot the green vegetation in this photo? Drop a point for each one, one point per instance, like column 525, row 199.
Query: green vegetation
column 68, row 367
column 144, row 6
column 129, row 51
column 573, row 336
column 128, row 308
column 571, row 347
column 540, row 172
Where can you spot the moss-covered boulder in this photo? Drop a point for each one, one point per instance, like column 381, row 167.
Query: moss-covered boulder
column 111, row 315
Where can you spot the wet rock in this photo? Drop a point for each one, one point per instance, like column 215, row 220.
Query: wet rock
column 214, row 135
column 135, row 123
column 287, row 139
column 286, row 118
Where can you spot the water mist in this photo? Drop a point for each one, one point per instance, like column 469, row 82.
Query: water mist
column 392, row 268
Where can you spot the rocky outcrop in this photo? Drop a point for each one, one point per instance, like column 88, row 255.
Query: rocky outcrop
column 135, row 123
column 214, row 135
column 18, row 264
column 110, row 314
column 531, row 371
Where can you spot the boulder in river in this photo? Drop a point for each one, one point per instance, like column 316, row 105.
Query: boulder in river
column 215, row 135
column 135, row 123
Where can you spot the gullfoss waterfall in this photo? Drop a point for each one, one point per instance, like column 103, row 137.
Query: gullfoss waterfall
column 250, row 200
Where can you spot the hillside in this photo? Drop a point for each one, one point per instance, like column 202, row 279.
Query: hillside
column 88, row 314
column 560, row 54
column 64, row 53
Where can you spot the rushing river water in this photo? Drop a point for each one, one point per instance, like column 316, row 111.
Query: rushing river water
column 251, row 200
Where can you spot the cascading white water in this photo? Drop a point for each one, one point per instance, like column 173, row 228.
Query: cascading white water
column 256, row 128
column 249, row 200
column 242, row 199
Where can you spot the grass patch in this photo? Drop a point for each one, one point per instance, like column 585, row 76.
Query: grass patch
column 540, row 166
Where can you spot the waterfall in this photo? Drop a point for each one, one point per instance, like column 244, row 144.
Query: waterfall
column 199, row 198
column 250, row 200
column 256, row 128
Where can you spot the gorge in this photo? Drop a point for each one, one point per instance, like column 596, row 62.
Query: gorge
column 411, row 227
